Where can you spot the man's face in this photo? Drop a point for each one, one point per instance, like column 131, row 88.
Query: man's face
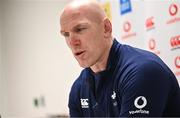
column 85, row 38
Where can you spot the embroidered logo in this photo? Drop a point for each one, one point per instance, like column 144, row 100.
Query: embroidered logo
column 140, row 102
column 113, row 96
column 84, row 103
column 140, row 106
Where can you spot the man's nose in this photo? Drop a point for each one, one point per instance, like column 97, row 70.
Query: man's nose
column 74, row 40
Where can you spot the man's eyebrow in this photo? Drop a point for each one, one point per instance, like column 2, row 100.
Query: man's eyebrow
column 62, row 31
column 76, row 26
column 80, row 25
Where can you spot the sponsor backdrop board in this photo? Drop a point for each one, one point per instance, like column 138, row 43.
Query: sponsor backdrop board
column 152, row 25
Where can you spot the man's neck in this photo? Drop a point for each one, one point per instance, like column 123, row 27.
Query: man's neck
column 102, row 63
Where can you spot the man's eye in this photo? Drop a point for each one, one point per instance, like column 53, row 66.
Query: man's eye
column 79, row 29
column 65, row 34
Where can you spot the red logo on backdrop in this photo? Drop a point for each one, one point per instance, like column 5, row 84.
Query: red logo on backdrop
column 127, row 26
column 175, row 42
column 127, row 29
column 173, row 9
column 177, row 62
column 152, row 46
column 150, row 23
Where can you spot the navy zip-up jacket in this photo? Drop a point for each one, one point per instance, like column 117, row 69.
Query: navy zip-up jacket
column 135, row 83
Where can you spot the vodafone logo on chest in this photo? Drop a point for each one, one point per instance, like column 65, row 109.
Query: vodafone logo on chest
column 140, row 103
column 144, row 102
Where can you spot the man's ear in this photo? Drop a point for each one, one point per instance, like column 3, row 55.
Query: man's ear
column 107, row 28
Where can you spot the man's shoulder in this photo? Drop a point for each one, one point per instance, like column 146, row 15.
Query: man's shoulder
column 84, row 73
column 134, row 55
column 142, row 62
column 82, row 78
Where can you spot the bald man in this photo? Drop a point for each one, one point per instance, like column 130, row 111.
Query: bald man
column 117, row 80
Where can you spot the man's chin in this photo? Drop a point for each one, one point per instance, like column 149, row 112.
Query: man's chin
column 83, row 65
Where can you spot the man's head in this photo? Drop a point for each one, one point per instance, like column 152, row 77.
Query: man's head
column 88, row 32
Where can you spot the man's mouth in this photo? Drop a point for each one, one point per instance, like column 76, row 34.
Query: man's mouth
column 79, row 53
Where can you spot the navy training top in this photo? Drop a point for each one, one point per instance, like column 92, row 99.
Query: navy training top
column 135, row 83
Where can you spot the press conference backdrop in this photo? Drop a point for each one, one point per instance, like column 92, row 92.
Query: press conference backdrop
column 152, row 25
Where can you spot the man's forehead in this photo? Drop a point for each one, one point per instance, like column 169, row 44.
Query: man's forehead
column 74, row 24
column 76, row 12
column 69, row 16
column 74, row 18
column 83, row 7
